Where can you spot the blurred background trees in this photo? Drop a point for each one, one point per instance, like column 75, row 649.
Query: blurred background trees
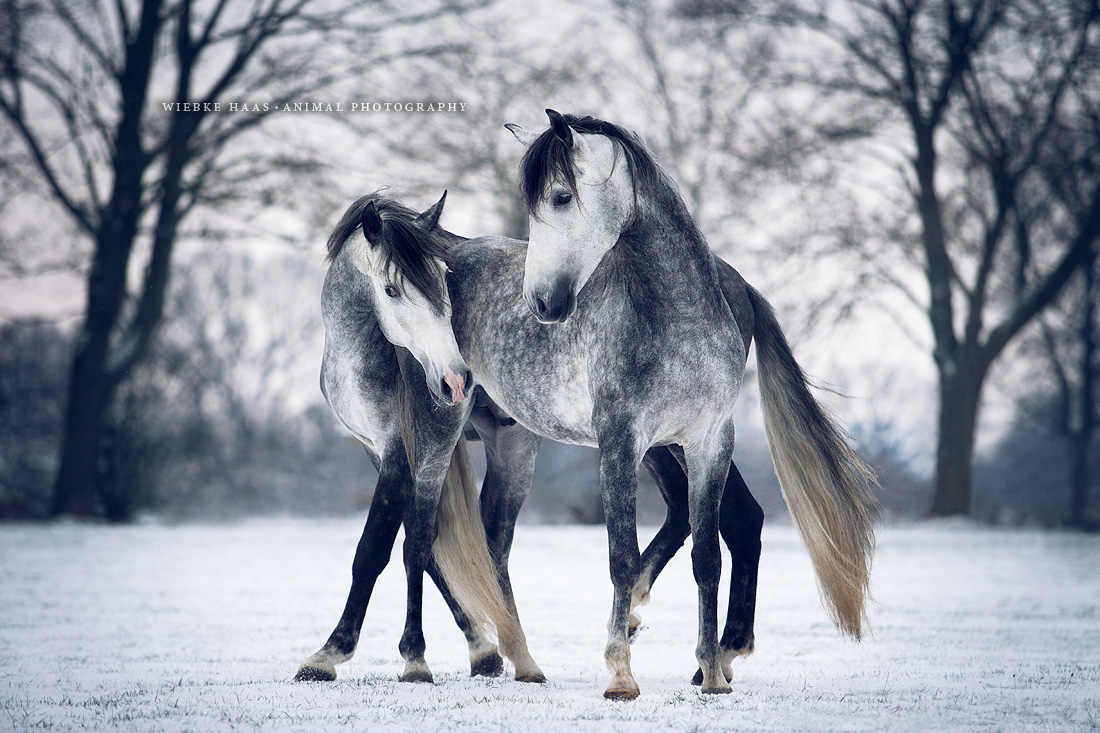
column 118, row 110
column 905, row 179
column 997, row 105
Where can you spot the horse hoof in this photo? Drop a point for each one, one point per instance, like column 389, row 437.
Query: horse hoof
column 491, row 665
column 622, row 693
column 697, row 680
column 307, row 673
column 416, row 675
column 537, row 678
column 723, row 690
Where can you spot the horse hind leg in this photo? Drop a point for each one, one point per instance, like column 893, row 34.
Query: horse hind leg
column 485, row 659
column 510, row 462
column 740, row 522
column 672, row 483
column 708, row 468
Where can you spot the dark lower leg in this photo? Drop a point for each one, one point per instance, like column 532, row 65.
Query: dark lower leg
column 502, row 495
column 672, row 483
column 484, row 659
column 419, row 537
column 740, row 522
column 707, row 477
column 510, row 462
column 371, row 556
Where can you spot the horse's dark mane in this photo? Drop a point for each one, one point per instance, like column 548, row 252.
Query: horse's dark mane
column 548, row 158
column 407, row 247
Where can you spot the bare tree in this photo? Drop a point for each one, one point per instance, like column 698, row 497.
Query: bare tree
column 999, row 106
column 219, row 419
column 504, row 78
column 124, row 114
column 703, row 72
column 1069, row 344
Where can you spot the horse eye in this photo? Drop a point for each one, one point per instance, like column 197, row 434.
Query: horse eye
column 562, row 198
column 392, row 291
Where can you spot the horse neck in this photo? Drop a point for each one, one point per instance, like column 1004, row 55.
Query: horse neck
column 666, row 252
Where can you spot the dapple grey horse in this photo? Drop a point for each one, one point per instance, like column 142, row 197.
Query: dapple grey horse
column 366, row 381
column 411, row 423
column 651, row 357
column 621, row 282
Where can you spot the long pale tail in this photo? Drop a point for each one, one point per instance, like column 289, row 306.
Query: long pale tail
column 461, row 552
column 826, row 485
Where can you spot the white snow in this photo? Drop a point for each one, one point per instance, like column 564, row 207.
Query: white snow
column 154, row 628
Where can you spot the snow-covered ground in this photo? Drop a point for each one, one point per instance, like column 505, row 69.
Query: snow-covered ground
column 153, row 628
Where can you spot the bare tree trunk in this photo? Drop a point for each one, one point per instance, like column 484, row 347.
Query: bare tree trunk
column 91, row 386
column 1081, row 478
column 1081, row 445
column 960, row 393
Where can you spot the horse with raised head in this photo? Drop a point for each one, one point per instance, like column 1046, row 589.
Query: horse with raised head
column 643, row 350
column 615, row 262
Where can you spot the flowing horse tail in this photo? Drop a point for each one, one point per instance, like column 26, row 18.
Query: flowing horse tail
column 826, row 485
column 461, row 553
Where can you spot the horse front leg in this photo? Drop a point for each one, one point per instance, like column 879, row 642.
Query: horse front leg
column 371, row 557
column 618, row 485
column 708, row 464
column 420, row 531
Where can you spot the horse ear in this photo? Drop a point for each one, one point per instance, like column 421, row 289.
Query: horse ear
column 430, row 218
column 371, row 221
column 526, row 137
column 560, row 127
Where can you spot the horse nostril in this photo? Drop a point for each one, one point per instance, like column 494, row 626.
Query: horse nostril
column 445, row 389
column 540, row 304
column 469, row 381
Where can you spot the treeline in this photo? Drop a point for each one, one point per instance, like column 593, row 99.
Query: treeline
column 219, row 422
column 927, row 167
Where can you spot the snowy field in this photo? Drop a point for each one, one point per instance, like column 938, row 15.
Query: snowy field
column 199, row 628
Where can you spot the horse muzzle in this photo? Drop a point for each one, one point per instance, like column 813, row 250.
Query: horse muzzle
column 553, row 304
column 455, row 387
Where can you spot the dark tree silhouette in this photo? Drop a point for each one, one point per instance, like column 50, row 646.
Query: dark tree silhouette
column 115, row 106
column 999, row 105
column 1069, row 344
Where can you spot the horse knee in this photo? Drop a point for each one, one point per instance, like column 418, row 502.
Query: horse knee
column 365, row 569
column 625, row 569
column 706, row 563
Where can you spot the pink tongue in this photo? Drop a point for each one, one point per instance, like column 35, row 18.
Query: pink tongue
column 458, row 393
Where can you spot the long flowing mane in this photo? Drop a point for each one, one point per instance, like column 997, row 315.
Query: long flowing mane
column 549, row 158
column 407, row 247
